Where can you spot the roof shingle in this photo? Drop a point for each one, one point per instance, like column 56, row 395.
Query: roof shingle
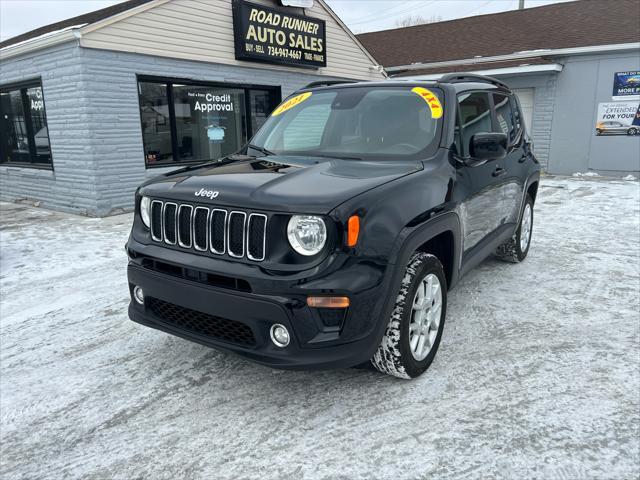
column 90, row 17
column 561, row 25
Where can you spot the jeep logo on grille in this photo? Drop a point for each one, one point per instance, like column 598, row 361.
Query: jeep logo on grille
column 207, row 193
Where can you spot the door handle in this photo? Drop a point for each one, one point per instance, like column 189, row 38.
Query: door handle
column 499, row 171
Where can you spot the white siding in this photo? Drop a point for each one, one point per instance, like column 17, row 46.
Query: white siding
column 202, row 30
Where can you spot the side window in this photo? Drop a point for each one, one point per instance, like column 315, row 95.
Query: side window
column 517, row 114
column 475, row 116
column 504, row 116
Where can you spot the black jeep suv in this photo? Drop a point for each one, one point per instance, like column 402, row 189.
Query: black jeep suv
column 333, row 237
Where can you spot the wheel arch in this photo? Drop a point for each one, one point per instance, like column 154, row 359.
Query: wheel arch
column 532, row 190
column 442, row 246
column 439, row 236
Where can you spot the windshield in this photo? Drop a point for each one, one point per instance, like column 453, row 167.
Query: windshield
column 355, row 123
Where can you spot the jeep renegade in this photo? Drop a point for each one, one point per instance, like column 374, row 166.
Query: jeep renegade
column 333, row 237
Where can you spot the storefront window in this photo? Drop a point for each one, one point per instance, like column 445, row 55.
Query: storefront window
column 156, row 124
column 261, row 102
column 24, row 136
column 210, row 121
column 185, row 122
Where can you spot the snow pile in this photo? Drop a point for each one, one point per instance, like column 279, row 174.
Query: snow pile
column 631, row 178
column 586, row 174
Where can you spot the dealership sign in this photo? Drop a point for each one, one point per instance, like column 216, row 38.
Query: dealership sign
column 297, row 3
column 626, row 84
column 265, row 34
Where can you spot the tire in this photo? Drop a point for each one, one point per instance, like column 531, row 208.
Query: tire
column 598, row 132
column 516, row 249
column 394, row 355
column 633, row 131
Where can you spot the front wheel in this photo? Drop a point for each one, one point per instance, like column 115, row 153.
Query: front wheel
column 415, row 328
column 516, row 249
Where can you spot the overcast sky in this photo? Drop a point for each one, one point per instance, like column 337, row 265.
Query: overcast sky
column 19, row 16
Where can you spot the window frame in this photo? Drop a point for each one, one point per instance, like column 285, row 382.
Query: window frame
column 171, row 81
column 516, row 127
column 492, row 113
column 23, row 86
column 515, row 105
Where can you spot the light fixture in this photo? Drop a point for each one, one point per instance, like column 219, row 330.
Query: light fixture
column 279, row 335
column 138, row 294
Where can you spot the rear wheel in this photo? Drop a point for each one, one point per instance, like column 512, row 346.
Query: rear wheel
column 415, row 328
column 633, row 131
column 516, row 249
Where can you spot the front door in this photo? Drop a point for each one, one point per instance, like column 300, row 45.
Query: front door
column 476, row 186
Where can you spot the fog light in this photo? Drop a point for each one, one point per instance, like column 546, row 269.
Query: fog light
column 138, row 294
column 279, row 335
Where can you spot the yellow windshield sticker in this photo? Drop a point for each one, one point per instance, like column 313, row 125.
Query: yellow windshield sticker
column 428, row 96
column 292, row 102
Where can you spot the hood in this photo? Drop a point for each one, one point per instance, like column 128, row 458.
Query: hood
column 278, row 183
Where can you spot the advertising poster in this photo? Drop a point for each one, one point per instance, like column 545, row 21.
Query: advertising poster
column 626, row 84
column 618, row 118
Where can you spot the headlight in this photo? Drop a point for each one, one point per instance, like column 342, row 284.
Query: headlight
column 307, row 234
column 145, row 207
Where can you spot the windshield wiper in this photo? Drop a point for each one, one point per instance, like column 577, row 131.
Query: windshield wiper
column 262, row 150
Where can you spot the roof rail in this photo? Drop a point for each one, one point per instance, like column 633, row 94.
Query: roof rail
column 326, row 83
column 471, row 77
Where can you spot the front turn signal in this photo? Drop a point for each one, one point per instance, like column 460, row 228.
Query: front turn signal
column 353, row 230
column 328, row 302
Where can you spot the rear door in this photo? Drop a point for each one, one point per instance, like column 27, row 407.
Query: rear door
column 510, row 171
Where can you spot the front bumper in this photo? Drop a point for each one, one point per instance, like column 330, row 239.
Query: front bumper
column 258, row 299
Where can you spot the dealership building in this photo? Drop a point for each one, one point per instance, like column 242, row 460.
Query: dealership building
column 575, row 67
column 92, row 106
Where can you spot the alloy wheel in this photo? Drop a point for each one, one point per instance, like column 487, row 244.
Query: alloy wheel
column 525, row 228
column 425, row 317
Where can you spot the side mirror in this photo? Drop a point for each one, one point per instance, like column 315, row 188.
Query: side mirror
column 487, row 146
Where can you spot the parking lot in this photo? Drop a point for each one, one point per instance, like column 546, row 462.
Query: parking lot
column 538, row 374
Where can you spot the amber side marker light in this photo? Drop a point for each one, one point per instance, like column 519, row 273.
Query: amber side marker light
column 328, row 302
column 353, row 230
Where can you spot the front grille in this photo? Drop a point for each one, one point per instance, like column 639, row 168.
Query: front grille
column 215, row 230
column 202, row 323
column 170, row 223
column 236, row 233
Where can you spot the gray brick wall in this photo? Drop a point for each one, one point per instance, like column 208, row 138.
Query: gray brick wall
column 586, row 81
column 71, row 185
column 91, row 102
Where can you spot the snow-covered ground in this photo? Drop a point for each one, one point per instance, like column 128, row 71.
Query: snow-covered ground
column 538, row 374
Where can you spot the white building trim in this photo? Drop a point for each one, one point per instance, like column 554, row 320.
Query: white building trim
column 43, row 41
column 519, row 70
